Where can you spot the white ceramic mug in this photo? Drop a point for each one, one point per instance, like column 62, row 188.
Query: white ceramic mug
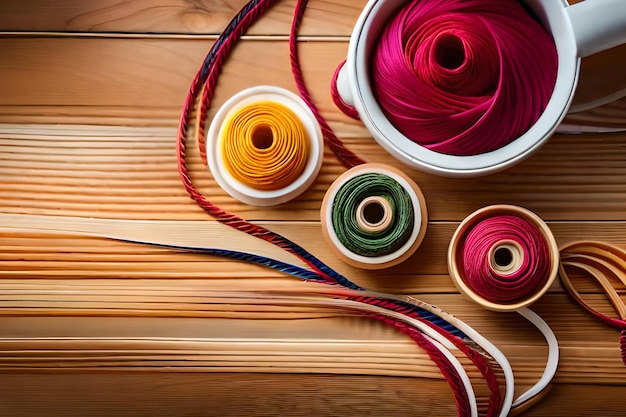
column 578, row 30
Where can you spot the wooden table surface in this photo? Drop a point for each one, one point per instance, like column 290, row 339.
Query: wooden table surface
column 90, row 97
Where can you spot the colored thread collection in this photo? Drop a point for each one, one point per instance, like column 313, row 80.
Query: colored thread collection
column 464, row 402
column 373, row 214
column 327, row 275
column 266, row 147
column 463, row 77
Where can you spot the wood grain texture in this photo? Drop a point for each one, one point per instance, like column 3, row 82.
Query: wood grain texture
column 193, row 394
column 116, row 80
column 323, row 17
column 48, row 170
column 90, row 97
column 60, row 256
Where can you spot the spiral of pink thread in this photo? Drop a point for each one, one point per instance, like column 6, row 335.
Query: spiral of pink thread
column 531, row 275
column 464, row 77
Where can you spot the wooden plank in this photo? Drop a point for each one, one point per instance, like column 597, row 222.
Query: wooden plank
column 95, row 172
column 48, row 256
column 136, row 339
column 33, row 395
column 145, row 81
column 105, row 394
column 323, row 17
column 127, row 78
column 220, row 395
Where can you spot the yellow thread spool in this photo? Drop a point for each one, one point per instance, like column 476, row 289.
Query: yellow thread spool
column 264, row 145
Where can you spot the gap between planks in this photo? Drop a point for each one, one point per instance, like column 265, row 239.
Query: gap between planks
column 120, row 35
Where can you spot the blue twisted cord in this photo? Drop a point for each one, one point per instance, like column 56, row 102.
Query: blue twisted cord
column 305, row 274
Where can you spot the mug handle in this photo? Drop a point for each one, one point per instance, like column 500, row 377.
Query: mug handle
column 598, row 25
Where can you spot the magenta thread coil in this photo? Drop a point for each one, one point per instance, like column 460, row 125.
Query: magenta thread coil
column 503, row 257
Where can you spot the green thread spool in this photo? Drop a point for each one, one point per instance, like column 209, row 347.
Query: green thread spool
column 374, row 216
column 371, row 241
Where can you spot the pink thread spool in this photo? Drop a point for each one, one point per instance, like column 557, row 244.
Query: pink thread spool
column 504, row 272
column 578, row 30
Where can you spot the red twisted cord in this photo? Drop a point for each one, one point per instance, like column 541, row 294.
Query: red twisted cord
column 208, row 78
column 347, row 157
column 622, row 345
column 345, row 108
column 445, row 367
column 495, row 398
column 196, row 86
